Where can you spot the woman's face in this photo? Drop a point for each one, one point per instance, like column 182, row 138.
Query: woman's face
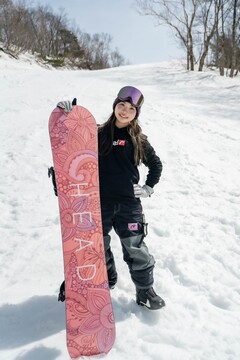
column 125, row 113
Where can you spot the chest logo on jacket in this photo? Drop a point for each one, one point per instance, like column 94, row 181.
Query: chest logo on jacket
column 119, row 143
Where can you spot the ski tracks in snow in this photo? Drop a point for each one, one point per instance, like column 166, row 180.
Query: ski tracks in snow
column 195, row 226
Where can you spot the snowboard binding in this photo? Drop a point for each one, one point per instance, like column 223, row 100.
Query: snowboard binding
column 61, row 295
column 51, row 173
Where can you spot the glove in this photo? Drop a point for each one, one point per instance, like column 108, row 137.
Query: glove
column 67, row 105
column 142, row 191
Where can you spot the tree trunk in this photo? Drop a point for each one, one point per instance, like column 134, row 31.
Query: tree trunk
column 202, row 59
column 191, row 55
column 234, row 42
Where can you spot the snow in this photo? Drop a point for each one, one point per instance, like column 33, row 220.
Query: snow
column 192, row 120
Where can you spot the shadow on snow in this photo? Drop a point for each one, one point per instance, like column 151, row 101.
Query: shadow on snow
column 39, row 353
column 32, row 320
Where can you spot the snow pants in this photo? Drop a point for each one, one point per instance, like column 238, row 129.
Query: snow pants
column 128, row 222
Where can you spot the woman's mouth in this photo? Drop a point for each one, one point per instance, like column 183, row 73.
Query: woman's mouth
column 123, row 116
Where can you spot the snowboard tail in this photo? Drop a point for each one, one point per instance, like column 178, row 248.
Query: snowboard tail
column 90, row 328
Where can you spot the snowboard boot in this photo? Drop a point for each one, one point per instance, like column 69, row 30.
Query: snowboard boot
column 61, row 295
column 148, row 298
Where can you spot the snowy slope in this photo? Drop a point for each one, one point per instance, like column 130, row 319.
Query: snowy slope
column 192, row 120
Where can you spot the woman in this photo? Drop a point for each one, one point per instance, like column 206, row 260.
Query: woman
column 122, row 147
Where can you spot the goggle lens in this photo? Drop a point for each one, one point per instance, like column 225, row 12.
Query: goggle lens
column 133, row 93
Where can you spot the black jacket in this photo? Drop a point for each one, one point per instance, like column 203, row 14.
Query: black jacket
column 118, row 172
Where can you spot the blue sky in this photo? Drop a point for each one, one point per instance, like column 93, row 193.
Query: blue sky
column 137, row 38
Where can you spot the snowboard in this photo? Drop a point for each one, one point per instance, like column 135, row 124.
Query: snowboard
column 90, row 328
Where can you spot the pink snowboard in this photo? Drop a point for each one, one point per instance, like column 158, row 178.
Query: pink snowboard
column 90, row 326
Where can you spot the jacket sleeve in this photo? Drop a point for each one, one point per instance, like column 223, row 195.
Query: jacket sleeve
column 154, row 164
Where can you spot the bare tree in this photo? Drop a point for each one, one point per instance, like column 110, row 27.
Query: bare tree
column 6, row 7
column 96, row 50
column 22, row 36
column 226, row 46
column 208, row 18
column 13, row 25
column 49, row 35
column 235, row 43
column 116, row 58
column 201, row 25
column 180, row 15
column 218, row 43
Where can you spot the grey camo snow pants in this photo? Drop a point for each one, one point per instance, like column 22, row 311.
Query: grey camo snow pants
column 128, row 222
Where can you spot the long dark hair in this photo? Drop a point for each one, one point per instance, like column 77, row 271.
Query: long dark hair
column 134, row 129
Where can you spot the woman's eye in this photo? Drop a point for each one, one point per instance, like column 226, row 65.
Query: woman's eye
column 131, row 109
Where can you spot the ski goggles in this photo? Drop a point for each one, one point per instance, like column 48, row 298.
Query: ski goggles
column 132, row 93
